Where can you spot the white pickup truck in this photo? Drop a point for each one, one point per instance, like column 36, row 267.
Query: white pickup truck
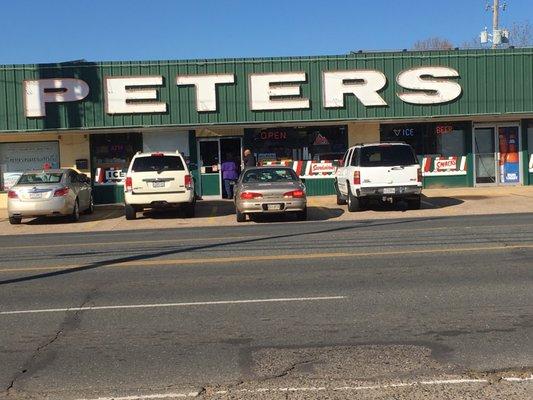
column 379, row 171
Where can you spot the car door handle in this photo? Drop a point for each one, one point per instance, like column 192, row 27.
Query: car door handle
column 397, row 168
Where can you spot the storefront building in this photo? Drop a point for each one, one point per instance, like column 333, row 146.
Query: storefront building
column 467, row 113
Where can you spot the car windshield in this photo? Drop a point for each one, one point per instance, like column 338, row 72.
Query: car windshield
column 387, row 155
column 158, row 163
column 41, row 177
column 269, row 175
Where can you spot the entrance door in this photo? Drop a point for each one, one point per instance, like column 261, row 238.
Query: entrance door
column 209, row 165
column 213, row 152
column 496, row 155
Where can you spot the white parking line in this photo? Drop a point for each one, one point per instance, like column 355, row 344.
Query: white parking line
column 320, row 388
column 161, row 305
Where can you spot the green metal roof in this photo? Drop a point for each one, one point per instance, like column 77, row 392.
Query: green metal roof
column 492, row 81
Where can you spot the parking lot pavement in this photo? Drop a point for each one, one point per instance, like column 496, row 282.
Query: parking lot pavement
column 435, row 203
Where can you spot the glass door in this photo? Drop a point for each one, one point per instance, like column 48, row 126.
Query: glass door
column 209, row 166
column 485, row 156
column 497, row 155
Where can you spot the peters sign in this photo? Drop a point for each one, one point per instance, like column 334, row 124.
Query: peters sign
column 266, row 91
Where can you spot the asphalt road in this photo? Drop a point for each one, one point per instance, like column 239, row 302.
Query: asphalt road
column 258, row 309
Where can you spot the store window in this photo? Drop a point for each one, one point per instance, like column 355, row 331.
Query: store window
column 292, row 144
column 111, row 156
column 435, row 139
column 16, row 158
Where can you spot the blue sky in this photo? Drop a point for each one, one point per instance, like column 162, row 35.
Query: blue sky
column 36, row 31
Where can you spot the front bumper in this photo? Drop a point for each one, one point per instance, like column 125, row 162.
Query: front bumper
column 58, row 206
column 389, row 191
column 269, row 206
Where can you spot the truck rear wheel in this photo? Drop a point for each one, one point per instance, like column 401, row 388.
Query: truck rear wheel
column 130, row 211
column 353, row 202
column 340, row 199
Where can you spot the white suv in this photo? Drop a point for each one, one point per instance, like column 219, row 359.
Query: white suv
column 158, row 180
column 379, row 171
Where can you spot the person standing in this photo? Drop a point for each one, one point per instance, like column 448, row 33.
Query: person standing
column 229, row 175
column 249, row 159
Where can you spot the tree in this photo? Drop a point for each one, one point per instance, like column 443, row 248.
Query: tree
column 433, row 43
column 521, row 34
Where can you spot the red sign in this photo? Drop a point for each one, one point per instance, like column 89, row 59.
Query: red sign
column 269, row 135
column 441, row 129
column 319, row 168
column 445, row 164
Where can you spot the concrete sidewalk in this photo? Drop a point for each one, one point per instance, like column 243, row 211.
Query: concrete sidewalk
column 436, row 203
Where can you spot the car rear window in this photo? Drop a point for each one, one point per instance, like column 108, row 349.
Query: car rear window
column 158, row 163
column 45, row 177
column 269, row 175
column 386, row 156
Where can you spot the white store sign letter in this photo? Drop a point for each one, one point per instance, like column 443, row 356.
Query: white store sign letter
column 60, row 90
column 363, row 84
column 206, row 90
column 429, row 90
column 120, row 91
column 264, row 88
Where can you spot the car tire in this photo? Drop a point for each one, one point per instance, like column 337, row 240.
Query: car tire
column 90, row 210
column 190, row 210
column 15, row 220
column 353, row 202
column 130, row 212
column 302, row 215
column 414, row 204
column 241, row 217
column 340, row 200
column 75, row 216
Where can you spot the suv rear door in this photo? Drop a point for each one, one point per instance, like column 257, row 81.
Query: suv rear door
column 158, row 173
column 388, row 165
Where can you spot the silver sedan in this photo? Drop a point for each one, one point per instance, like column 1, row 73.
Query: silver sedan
column 265, row 190
column 55, row 192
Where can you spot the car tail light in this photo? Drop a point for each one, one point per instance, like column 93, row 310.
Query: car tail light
column 157, row 154
column 296, row 194
column 251, row 195
column 129, row 184
column 356, row 177
column 188, row 182
column 12, row 194
column 61, row 192
column 419, row 175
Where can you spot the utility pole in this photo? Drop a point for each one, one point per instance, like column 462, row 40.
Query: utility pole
column 495, row 17
column 498, row 35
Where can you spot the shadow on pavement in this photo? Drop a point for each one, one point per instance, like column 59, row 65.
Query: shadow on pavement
column 313, row 214
column 204, row 209
column 117, row 260
column 98, row 215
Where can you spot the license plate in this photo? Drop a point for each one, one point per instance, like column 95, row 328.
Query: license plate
column 273, row 206
column 36, row 195
column 389, row 190
column 158, row 184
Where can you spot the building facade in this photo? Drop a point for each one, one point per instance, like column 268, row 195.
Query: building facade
column 467, row 113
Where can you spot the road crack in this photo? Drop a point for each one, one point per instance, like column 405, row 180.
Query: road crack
column 70, row 322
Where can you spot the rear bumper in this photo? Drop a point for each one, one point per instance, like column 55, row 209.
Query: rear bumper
column 27, row 209
column 254, row 206
column 386, row 191
column 156, row 200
